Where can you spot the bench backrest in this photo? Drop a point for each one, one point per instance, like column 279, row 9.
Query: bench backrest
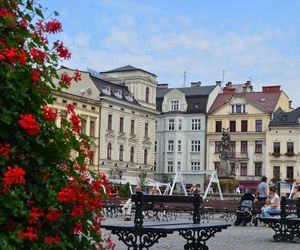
column 289, row 206
column 139, row 198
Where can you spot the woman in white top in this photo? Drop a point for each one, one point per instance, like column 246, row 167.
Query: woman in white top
column 273, row 207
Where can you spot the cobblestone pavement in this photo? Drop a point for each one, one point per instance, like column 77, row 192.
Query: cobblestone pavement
column 237, row 238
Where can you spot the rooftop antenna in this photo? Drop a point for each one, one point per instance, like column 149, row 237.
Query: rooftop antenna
column 223, row 76
column 185, row 76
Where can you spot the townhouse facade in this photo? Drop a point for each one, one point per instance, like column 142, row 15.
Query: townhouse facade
column 180, row 130
column 123, row 127
column 246, row 114
column 283, row 146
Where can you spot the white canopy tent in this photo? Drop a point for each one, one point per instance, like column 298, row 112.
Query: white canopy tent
column 133, row 181
column 213, row 177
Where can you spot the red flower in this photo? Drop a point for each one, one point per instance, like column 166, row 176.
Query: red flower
column 52, row 240
column 30, row 234
column 53, row 26
column 63, row 52
column 11, row 54
column 77, row 76
column 5, row 12
column 66, row 79
column 48, row 114
column 78, row 227
column 14, row 176
column 53, row 215
column 22, row 57
column 5, row 150
column 34, row 214
column 35, row 75
column 29, row 123
column 38, row 54
column 70, row 108
column 75, row 120
column 24, row 22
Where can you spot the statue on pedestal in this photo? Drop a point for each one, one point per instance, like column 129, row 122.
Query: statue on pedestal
column 225, row 169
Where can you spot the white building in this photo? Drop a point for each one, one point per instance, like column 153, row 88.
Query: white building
column 181, row 128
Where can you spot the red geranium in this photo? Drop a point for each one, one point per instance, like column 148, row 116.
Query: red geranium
column 30, row 125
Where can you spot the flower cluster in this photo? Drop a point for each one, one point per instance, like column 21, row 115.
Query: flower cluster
column 5, row 149
column 13, row 176
column 53, row 26
column 29, row 124
column 49, row 114
column 13, row 55
column 30, row 234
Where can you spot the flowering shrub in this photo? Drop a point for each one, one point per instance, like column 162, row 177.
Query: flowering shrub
column 48, row 200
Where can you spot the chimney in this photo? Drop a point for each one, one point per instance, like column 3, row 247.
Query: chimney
column 229, row 84
column 162, row 86
column 196, row 84
column 271, row 89
column 290, row 104
column 218, row 83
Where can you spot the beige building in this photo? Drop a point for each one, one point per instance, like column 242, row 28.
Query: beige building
column 283, row 146
column 246, row 114
column 125, row 120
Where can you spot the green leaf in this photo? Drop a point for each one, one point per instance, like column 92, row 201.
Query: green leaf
column 39, row 12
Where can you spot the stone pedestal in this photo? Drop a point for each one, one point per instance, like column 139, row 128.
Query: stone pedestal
column 226, row 179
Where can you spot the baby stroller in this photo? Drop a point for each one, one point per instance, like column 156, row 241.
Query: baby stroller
column 245, row 211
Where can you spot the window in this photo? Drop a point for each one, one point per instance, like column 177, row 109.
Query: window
column 146, row 130
column 179, row 145
column 232, row 148
column 218, row 126
column 238, row 108
column 178, row 166
column 276, row 147
column 258, row 169
column 174, row 105
column 147, row 94
column 218, row 146
column 109, row 151
column 83, row 126
column 155, row 146
column 92, row 128
column 170, row 146
column 121, row 124
column 195, row 146
column 258, row 125
column 109, row 124
column 196, row 124
column 195, row 165
column 132, row 154
column 170, row 167
column 180, row 124
column 132, row 127
column 121, row 153
column 276, row 171
column 290, row 172
column 258, row 147
column 171, row 124
column 232, row 168
column 232, row 126
column 244, row 126
column 290, row 147
column 145, row 156
column 217, row 167
column 91, row 158
column 244, row 147
column 243, row 169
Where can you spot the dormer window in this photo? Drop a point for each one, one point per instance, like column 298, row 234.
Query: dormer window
column 107, row 90
column 238, row 108
column 118, row 94
column 174, row 105
column 129, row 97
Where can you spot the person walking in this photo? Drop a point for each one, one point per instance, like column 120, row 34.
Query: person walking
column 296, row 192
column 262, row 191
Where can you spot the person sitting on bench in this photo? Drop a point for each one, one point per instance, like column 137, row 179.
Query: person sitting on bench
column 273, row 204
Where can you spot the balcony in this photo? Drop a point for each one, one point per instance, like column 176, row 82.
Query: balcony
column 289, row 154
column 275, row 154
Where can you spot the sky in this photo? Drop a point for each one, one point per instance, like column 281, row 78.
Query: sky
column 210, row 40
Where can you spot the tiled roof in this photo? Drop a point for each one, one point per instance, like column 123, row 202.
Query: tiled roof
column 284, row 119
column 126, row 68
column 267, row 101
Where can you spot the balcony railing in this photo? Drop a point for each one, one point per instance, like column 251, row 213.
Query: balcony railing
column 239, row 155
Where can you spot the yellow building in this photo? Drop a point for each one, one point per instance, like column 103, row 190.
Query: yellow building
column 283, row 146
column 246, row 114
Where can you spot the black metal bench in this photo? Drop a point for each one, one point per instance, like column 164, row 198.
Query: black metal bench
column 287, row 225
column 140, row 236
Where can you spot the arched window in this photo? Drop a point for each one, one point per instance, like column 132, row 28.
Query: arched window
column 147, row 94
column 145, row 156
column 132, row 154
column 109, row 151
column 121, row 153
